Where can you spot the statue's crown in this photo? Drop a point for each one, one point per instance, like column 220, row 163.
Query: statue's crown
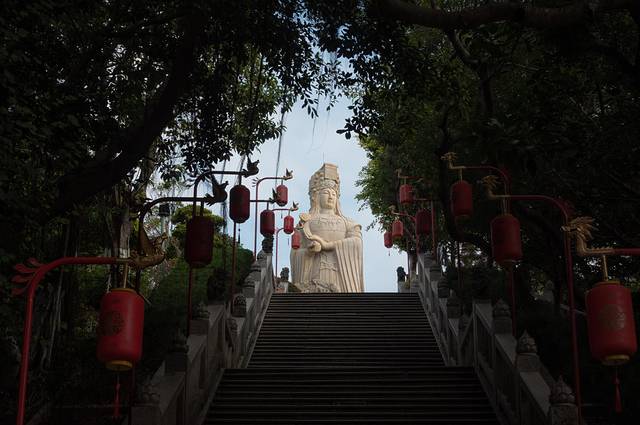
column 325, row 177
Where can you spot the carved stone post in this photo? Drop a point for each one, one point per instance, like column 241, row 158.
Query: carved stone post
column 443, row 288
column 463, row 322
column 267, row 244
column 147, row 410
column 177, row 358
column 527, row 359
column 200, row 320
column 233, row 342
column 563, row 410
column 249, row 284
column 239, row 306
column 453, row 306
column 501, row 317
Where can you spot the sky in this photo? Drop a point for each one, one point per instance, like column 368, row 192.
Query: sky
column 304, row 150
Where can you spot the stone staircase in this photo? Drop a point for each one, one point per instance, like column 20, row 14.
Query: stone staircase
column 348, row 358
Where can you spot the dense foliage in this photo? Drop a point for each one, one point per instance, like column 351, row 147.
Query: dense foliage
column 557, row 108
column 97, row 98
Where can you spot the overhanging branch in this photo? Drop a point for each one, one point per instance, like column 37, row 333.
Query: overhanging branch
column 83, row 183
column 525, row 14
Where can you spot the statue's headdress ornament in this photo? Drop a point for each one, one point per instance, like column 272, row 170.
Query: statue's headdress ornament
column 325, row 177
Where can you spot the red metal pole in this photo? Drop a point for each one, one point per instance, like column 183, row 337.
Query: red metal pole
column 459, row 261
column 255, row 219
column 512, row 294
column 277, row 232
column 434, row 240
column 189, row 301
column 37, row 274
column 233, row 264
column 255, row 224
column 568, row 262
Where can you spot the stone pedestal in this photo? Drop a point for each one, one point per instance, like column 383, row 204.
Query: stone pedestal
column 454, row 309
column 501, row 318
column 443, row 289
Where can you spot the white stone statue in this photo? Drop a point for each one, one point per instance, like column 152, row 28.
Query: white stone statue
column 330, row 255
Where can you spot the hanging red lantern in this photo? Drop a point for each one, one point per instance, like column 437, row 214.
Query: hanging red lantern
column 239, row 197
column 288, row 225
column 610, row 322
column 295, row 240
column 198, row 250
column 406, row 194
column 461, row 199
column 388, row 241
column 267, row 223
column 397, row 229
column 282, row 195
column 423, row 222
column 120, row 327
column 506, row 244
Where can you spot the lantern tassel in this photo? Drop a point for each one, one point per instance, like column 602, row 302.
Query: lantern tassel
column 618, row 399
column 116, row 401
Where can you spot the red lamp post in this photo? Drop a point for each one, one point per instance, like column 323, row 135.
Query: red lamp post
column 505, row 229
column 568, row 260
column 287, row 176
column 610, row 318
column 424, row 221
column 397, row 231
column 30, row 275
column 288, row 226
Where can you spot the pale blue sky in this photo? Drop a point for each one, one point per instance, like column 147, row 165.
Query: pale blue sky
column 303, row 151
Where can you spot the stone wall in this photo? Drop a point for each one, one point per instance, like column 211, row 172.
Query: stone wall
column 518, row 385
column 221, row 337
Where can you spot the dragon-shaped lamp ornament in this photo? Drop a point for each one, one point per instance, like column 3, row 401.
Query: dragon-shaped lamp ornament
column 610, row 317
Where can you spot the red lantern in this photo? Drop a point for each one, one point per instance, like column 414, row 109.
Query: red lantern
column 506, row 245
column 120, row 329
column 406, row 194
column 397, row 229
column 423, row 222
column 388, row 242
column 239, row 203
column 461, row 199
column 610, row 322
column 267, row 223
column 198, row 250
column 295, row 240
column 282, row 195
column 288, row 225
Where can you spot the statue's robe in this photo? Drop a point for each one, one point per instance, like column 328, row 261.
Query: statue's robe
column 337, row 270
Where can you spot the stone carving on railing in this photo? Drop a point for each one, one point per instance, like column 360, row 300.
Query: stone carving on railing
column 239, row 306
column 563, row 409
column 501, row 317
column 180, row 390
column 518, row 385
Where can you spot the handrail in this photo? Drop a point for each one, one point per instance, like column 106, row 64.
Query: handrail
column 509, row 369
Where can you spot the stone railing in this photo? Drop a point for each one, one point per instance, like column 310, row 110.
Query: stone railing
column 181, row 389
column 518, row 385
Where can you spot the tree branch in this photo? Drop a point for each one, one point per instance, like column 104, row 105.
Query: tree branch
column 81, row 184
column 525, row 14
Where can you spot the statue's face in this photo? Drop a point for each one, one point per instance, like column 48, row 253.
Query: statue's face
column 327, row 199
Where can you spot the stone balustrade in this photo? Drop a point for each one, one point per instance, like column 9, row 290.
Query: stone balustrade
column 518, row 385
column 181, row 389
